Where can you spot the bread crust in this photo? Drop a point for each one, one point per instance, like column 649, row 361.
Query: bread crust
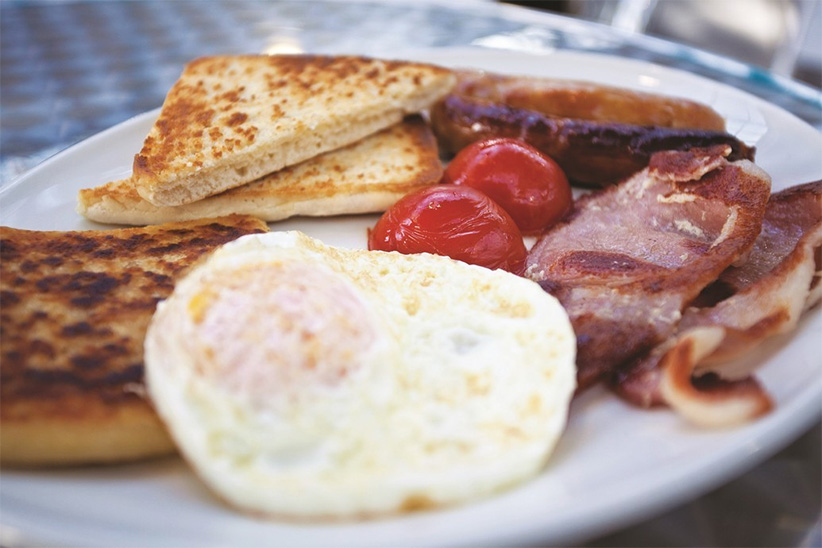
column 364, row 177
column 229, row 120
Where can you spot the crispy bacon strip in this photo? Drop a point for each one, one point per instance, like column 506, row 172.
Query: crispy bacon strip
column 763, row 297
column 631, row 257
column 590, row 153
column 707, row 400
column 587, row 101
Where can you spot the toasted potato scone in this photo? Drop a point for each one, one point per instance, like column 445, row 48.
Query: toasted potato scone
column 308, row 382
column 75, row 307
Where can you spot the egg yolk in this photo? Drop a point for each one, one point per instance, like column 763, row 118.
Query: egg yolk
column 276, row 330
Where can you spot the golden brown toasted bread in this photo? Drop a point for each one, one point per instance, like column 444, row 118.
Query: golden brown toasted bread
column 75, row 309
column 230, row 120
column 367, row 176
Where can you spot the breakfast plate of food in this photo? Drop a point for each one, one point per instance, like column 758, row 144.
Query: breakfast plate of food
column 239, row 319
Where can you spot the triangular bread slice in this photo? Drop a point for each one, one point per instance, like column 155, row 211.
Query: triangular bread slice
column 232, row 119
column 365, row 177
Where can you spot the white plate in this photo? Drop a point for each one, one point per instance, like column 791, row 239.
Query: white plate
column 615, row 464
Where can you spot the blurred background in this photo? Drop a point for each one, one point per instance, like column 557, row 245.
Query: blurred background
column 784, row 36
column 71, row 68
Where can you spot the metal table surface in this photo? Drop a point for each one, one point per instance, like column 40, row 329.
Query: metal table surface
column 70, row 69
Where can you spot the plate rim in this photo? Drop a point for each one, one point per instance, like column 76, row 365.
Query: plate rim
column 805, row 408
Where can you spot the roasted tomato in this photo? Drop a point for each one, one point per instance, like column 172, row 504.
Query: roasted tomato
column 529, row 185
column 457, row 221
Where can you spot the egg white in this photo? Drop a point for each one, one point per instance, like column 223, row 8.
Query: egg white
column 305, row 381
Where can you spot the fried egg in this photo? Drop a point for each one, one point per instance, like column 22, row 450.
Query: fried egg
column 305, row 381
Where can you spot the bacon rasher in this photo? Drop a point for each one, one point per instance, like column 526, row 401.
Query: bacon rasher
column 697, row 371
column 631, row 257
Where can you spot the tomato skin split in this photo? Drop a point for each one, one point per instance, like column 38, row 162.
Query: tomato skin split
column 456, row 221
column 529, row 185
